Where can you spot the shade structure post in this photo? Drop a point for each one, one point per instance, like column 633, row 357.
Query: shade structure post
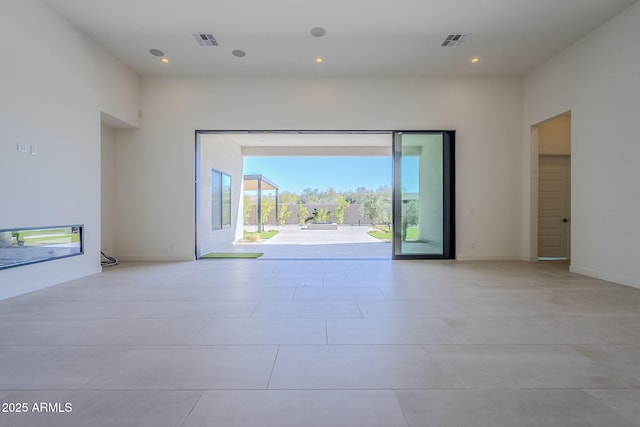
column 260, row 225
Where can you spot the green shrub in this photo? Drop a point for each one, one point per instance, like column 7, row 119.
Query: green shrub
column 303, row 213
column 340, row 209
column 283, row 214
column 251, row 237
column 322, row 214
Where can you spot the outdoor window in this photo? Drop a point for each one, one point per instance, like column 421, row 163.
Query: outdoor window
column 220, row 200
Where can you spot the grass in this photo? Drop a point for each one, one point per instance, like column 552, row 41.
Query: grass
column 221, row 255
column 68, row 238
column 254, row 236
column 26, row 233
column 49, row 236
column 412, row 233
column 384, row 233
column 381, row 232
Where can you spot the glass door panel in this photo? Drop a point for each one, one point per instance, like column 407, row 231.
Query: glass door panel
column 423, row 195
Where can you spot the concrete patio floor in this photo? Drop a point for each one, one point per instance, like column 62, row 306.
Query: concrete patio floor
column 295, row 242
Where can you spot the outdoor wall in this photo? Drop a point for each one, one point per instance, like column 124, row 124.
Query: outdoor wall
column 598, row 80
column 431, row 219
column 353, row 214
column 218, row 152
column 52, row 96
column 155, row 164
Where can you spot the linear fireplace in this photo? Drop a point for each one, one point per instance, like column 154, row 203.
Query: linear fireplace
column 21, row 246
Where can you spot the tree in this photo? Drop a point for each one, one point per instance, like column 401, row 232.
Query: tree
column 309, row 195
column 410, row 217
column 283, row 214
column 341, row 208
column 268, row 204
column 376, row 205
column 374, row 209
column 288, row 198
column 331, row 196
column 247, row 207
column 303, row 213
column 385, row 194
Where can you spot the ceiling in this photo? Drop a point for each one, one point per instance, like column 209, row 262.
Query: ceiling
column 364, row 38
column 309, row 139
column 305, row 143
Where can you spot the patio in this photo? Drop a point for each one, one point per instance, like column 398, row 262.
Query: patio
column 295, row 242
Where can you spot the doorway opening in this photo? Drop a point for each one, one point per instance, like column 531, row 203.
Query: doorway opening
column 323, row 209
column 553, row 196
column 319, row 206
column 298, row 195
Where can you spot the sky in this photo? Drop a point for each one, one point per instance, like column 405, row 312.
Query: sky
column 341, row 173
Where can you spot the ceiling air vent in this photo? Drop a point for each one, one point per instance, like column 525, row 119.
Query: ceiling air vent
column 205, row 39
column 454, row 40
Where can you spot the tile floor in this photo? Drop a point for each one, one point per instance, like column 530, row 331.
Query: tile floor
column 324, row 343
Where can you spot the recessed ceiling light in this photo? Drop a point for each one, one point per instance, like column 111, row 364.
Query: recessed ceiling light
column 239, row 53
column 475, row 60
column 318, row 32
column 165, row 60
column 156, row 52
column 319, row 60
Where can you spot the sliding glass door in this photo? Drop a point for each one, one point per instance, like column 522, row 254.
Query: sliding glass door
column 424, row 195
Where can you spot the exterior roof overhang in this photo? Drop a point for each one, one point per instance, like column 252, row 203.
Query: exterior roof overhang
column 251, row 183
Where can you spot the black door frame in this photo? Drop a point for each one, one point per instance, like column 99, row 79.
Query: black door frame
column 449, row 224
column 448, row 199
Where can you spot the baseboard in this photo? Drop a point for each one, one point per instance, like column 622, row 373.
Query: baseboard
column 135, row 258
column 615, row 278
column 489, row 258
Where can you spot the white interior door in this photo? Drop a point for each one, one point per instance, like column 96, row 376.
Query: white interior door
column 554, row 207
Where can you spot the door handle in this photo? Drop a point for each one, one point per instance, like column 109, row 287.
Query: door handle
column 565, row 220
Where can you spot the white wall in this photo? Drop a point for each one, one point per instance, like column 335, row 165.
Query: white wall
column 52, row 92
column 155, row 164
column 554, row 136
column 53, row 97
column 107, row 188
column 598, row 80
column 218, row 152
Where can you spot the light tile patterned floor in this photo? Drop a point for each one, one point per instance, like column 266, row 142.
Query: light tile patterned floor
column 325, row 343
